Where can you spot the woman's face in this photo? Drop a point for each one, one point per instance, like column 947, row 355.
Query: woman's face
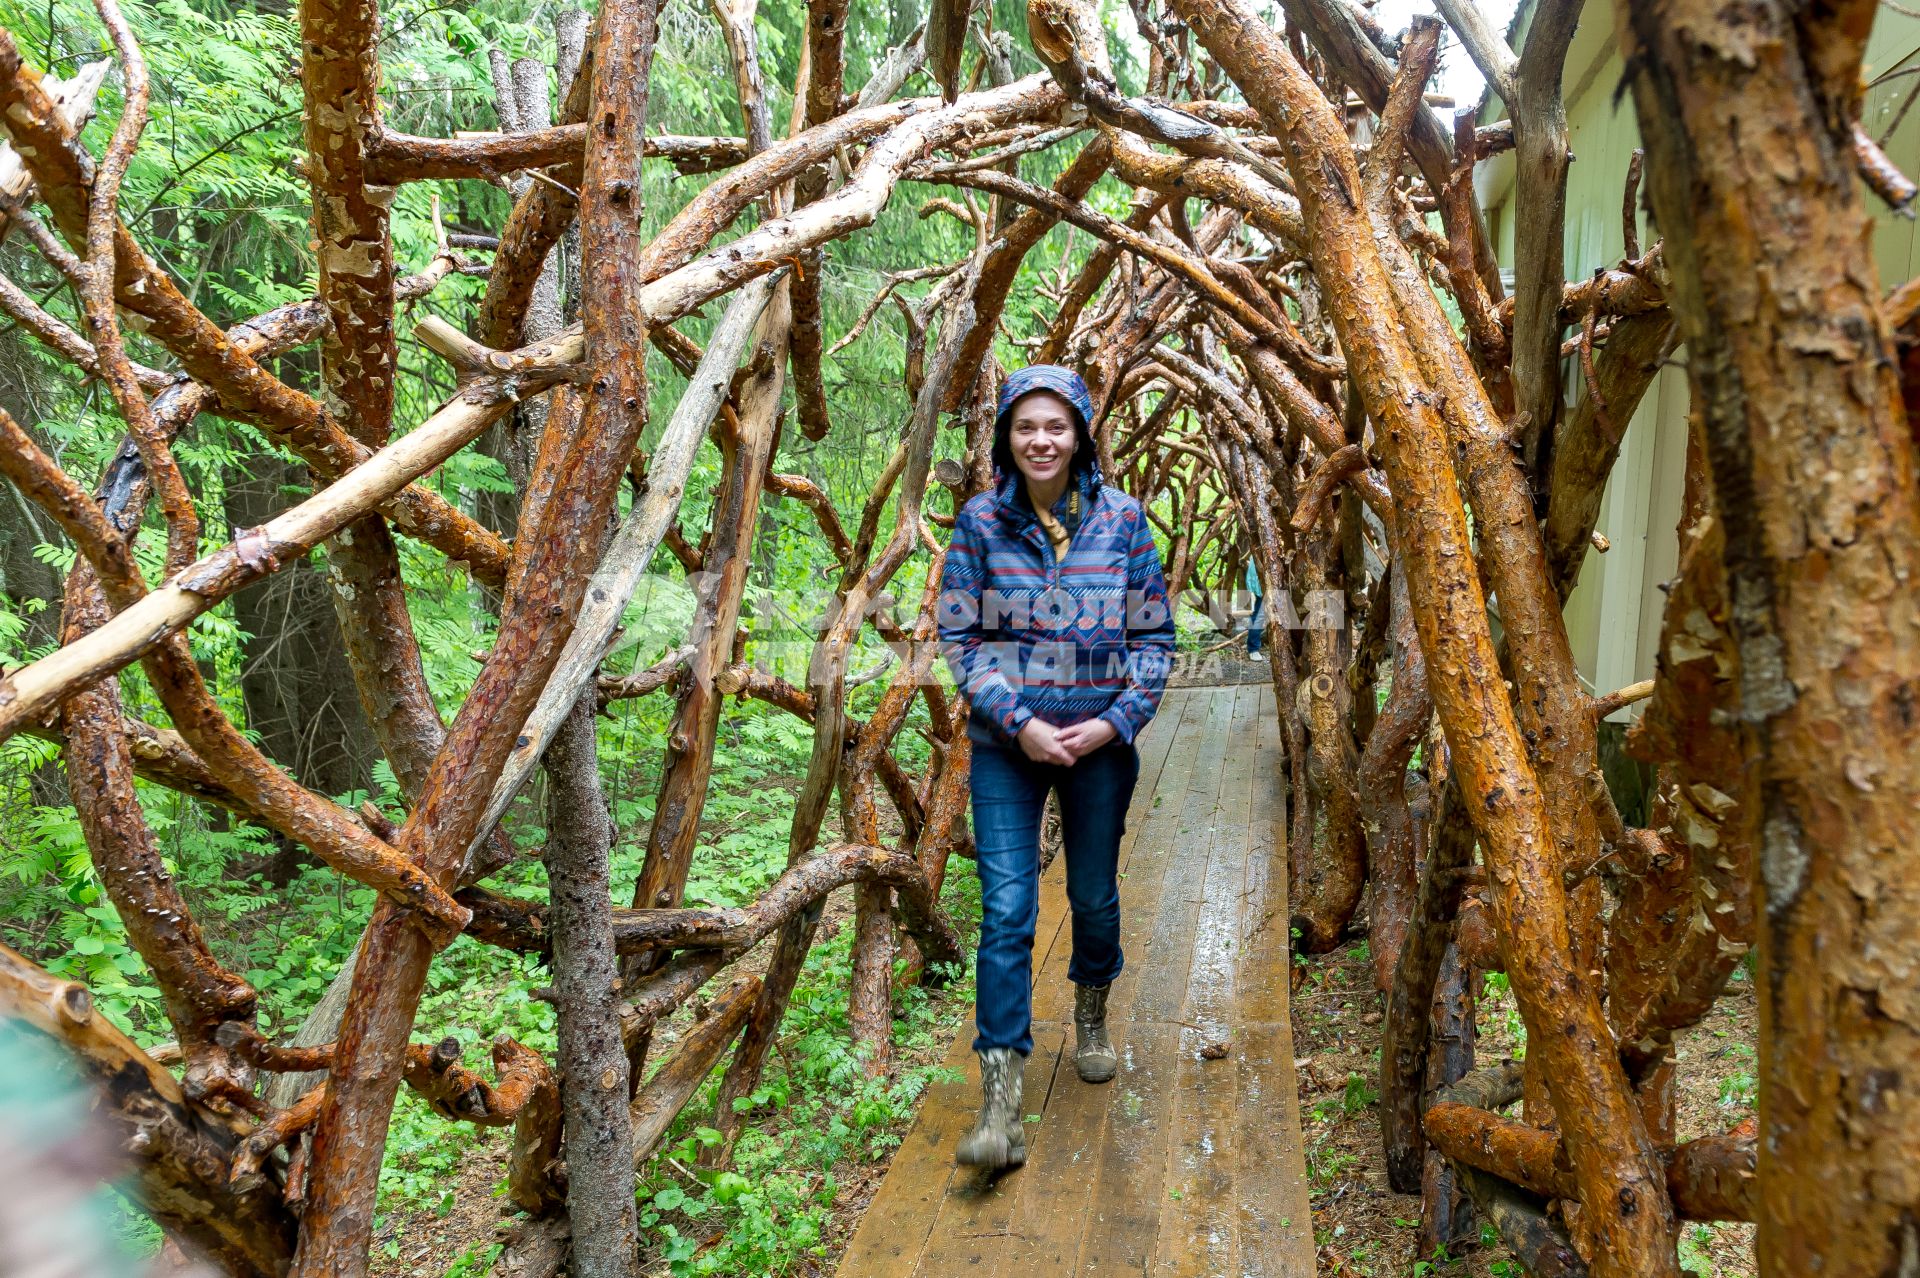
column 1042, row 436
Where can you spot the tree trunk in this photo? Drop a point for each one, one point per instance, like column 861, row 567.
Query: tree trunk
column 592, row 1061
column 1331, row 869
column 1391, row 869
column 294, row 677
column 1748, row 116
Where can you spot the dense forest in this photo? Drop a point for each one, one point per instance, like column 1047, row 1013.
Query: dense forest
column 478, row 481
column 217, row 193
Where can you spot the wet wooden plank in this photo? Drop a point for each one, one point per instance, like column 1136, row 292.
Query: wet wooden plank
column 1199, row 1234
column 1164, row 961
column 1270, row 1173
column 1276, row 1220
column 1122, row 1220
column 1200, row 1229
column 1266, row 945
column 1156, row 746
column 1212, row 978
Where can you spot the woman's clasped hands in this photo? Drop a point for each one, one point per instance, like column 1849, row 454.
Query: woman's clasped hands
column 1044, row 743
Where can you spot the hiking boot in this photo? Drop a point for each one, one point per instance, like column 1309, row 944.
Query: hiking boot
column 1093, row 1055
column 999, row 1139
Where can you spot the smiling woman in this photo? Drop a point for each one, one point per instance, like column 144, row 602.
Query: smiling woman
column 1263, row 250
column 1054, row 613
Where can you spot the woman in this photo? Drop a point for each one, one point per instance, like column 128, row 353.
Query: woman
column 1054, row 616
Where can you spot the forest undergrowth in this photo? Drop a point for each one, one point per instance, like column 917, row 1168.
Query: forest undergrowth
column 820, row 1121
column 1362, row 1229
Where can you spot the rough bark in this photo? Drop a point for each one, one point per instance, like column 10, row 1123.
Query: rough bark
column 1328, row 870
column 1392, row 874
column 580, row 475
column 1407, row 1033
column 592, row 1062
column 1813, row 467
column 1446, row 1215
column 1710, row 1179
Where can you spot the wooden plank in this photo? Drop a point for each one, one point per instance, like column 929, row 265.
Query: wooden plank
column 1199, row 1232
column 1266, row 945
column 1270, row 1173
column 1051, row 1216
column 1155, row 744
column 1123, row 1208
column 1165, row 960
column 1200, row 1225
column 1052, row 992
column 977, row 1210
column 1212, row 976
column 1129, row 1196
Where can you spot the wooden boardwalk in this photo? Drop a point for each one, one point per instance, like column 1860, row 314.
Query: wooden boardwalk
column 1182, row 1165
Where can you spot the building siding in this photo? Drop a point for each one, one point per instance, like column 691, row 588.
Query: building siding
column 1614, row 614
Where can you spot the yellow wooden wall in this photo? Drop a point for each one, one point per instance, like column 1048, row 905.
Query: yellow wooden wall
column 1614, row 615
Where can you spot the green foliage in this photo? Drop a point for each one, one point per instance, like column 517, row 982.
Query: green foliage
column 1359, row 1095
column 216, row 195
column 1739, row 1090
column 1503, row 1009
column 475, row 1262
column 815, row 1112
column 1694, row 1256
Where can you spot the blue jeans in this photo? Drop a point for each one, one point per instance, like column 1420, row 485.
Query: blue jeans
column 1009, row 793
column 1256, row 624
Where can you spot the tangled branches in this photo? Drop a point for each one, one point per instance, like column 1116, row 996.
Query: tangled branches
column 1267, row 332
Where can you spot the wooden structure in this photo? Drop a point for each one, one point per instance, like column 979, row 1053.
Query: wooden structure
column 1303, row 355
column 1187, row 1163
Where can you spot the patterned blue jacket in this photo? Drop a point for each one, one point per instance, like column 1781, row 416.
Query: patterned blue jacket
column 1088, row 637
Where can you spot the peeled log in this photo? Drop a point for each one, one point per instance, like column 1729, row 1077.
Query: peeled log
column 1710, row 1179
column 681, row 1074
